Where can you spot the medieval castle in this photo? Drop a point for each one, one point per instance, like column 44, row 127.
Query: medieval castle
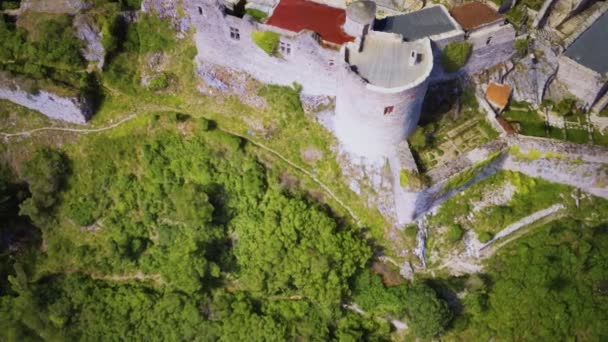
column 377, row 70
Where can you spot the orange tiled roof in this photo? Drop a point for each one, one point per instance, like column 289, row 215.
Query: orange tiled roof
column 498, row 94
column 474, row 14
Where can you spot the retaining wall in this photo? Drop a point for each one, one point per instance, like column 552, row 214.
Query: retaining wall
column 582, row 82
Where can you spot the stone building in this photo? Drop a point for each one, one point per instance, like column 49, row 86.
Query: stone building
column 489, row 32
column 378, row 79
column 377, row 71
column 583, row 67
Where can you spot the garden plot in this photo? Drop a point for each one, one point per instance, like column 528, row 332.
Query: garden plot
column 449, row 128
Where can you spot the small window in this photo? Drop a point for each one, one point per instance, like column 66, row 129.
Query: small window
column 234, row 33
column 285, row 48
column 200, row 11
column 488, row 40
column 332, row 62
column 388, row 110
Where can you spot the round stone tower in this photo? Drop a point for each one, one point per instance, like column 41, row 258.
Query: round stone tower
column 360, row 16
column 380, row 95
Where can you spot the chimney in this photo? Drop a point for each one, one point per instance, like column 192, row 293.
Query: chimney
column 413, row 58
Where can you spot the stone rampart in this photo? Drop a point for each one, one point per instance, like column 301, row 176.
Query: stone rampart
column 582, row 82
column 362, row 123
column 584, row 153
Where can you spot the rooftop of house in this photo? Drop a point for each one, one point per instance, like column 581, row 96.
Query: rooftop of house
column 591, row 48
column 474, row 15
column 498, row 94
column 298, row 15
column 384, row 60
column 427, row 22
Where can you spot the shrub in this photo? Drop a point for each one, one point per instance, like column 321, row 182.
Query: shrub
column 9, row 5
column 267, row 41
column 410, row 231
column 521, row 45
column 257, row 14
column 45, row 174
column 413, row 180
column 82, row 211
column 418, row 140
column 577, row 135
column 455, row 233
column 154, row 33
column 516, row 16
column 159, row 82
column 455, row 55
column 284, row 100
column 565, row 106
column 428, row 314
column 469, row 99
column 485, row 237
column 130, row 4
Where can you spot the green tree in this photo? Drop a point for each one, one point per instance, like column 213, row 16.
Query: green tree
column 45, row 174
column 428, row 314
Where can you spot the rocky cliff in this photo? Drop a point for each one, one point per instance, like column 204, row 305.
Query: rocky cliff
column 71, row 109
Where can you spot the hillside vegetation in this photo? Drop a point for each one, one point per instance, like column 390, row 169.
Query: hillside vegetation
column 169, row 227
column 173, row 229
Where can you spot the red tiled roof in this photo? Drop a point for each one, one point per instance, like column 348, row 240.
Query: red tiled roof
column 298, row 15
column 474, row 14
column 498, row 94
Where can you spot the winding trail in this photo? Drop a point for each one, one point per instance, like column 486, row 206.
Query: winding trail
column 66, row 129
column 257, row 144
column 301, row 169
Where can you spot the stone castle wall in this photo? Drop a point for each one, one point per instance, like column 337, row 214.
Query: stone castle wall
column 309, row 64
column 491, row 46
column 321, row 70
column 361, row 124
column 582, row 82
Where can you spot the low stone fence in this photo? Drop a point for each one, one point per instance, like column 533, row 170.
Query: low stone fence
column 586, row 153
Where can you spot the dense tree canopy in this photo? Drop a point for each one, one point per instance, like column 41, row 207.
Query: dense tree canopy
column 551, row 286
column 177, row 231
column 168, row 236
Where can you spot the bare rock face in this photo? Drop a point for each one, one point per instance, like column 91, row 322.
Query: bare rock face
column 71, row 109
column 172, row 9
column 54, row 6
column 90, row 34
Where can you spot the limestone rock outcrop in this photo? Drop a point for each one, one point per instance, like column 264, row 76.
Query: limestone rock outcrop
column 71, row 109
column 168, row 9
column 93, row 50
